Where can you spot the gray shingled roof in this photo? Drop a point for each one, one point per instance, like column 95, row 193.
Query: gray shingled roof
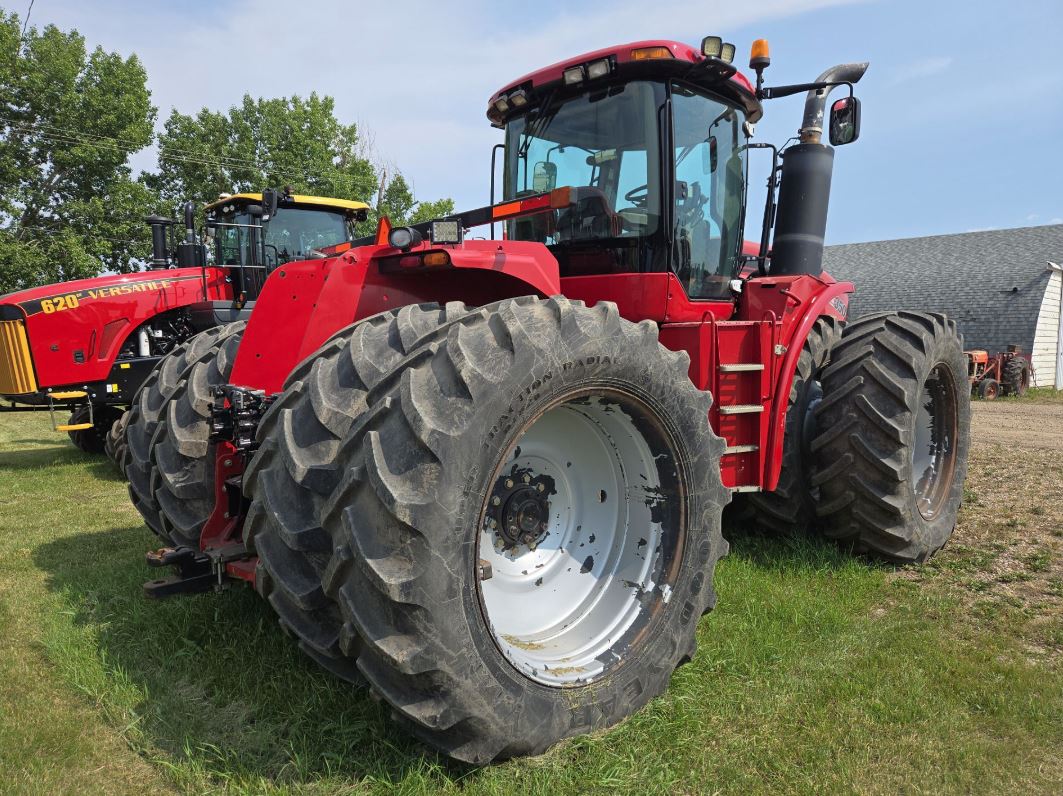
column 991, row 283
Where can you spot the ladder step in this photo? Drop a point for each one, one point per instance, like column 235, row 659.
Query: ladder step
column 741, row 409
column 740, row 449
column 74, row 427
column 741, row 367
column 746, row 488
column 65, row 396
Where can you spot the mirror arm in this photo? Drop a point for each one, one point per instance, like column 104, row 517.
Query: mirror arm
column 769, row 208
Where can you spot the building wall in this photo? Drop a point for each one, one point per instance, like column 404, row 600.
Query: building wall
column 1046, row 336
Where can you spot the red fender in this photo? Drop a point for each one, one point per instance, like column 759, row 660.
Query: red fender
column 833, row 301
column 305, row 303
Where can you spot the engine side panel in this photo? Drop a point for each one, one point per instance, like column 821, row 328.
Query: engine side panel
column 76, row 329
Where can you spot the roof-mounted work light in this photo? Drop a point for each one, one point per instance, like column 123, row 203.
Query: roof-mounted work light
column 600, row 68
column 711, row 46
column 573, row 76
column 716, row 47
column 519, row 98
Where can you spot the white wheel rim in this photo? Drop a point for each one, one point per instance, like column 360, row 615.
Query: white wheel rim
column 562, row 608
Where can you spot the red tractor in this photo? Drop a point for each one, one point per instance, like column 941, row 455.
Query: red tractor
column 1008, row 373
column 88, row 345
column 486, row 476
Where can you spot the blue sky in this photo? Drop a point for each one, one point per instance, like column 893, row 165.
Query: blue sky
column 963, row 102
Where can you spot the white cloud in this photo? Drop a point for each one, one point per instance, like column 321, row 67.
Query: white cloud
column 417, row 74
column 920, row 69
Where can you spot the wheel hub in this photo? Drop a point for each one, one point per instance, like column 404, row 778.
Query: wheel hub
column 575, row 553
column 520, row 508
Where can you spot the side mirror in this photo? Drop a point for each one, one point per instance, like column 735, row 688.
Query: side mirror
column 844, row 121
column 710, row 157
column 270, row 199
column 544, row 177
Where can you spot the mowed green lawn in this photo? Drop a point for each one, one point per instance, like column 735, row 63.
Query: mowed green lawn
column 817, row 672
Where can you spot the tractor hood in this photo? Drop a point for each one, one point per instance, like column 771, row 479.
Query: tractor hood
column 72, row 294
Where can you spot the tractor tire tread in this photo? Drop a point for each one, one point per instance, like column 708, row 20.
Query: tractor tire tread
column 866, row 420
column 393, row 571
column 166, row 459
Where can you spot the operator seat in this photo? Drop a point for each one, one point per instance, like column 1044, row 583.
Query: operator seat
column 589, row 217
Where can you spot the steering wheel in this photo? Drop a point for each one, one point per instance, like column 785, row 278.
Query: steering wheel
column 639, row 197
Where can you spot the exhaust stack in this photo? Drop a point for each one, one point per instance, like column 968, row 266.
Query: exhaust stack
column 804, row 191
column 189, row 253
column 160, row 253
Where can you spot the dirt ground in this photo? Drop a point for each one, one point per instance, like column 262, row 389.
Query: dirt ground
column 1024, row 424
column 1008, row 545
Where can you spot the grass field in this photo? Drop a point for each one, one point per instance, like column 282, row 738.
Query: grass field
column 817, row 672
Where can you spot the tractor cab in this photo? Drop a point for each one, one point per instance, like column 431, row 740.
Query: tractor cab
column 654, row 148
column 254, row 233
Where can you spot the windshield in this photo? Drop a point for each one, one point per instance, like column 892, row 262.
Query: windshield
column 605, row 144
column 292, row 234
column 710, row 173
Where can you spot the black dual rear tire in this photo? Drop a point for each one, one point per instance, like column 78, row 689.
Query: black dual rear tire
column 168, row 460
column 405, row 522
column 893, row 435
column 114, row 445
column 296, row 469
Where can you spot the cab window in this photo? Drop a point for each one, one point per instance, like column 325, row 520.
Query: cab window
column 710, row 180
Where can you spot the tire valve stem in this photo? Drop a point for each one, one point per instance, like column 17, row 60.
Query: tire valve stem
column 483, row 570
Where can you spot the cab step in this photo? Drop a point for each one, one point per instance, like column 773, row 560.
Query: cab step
column 741, row 367
column 733, row 449
column 74, row 427
column 741, row 409
column 68, row 395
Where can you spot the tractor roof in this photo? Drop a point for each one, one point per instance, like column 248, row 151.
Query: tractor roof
column 631, row 61
column 294, row 199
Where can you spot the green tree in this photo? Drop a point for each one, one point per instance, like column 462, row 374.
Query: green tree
column 399, row 205
column 288, row 141
column 69, row 120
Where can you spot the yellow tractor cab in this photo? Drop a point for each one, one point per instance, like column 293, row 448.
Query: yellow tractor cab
column 254, row 233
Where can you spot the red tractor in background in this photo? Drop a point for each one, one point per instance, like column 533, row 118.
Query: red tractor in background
column 1009, row 373
column 89, row 344
column 486, row 477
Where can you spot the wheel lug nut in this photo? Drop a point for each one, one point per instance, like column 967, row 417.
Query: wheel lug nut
column 509, row 483
column 496, row 501
column 527, row 478
column 492, row 524
column 540, row 487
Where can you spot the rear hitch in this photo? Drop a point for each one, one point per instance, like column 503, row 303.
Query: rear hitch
column 194, row 571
